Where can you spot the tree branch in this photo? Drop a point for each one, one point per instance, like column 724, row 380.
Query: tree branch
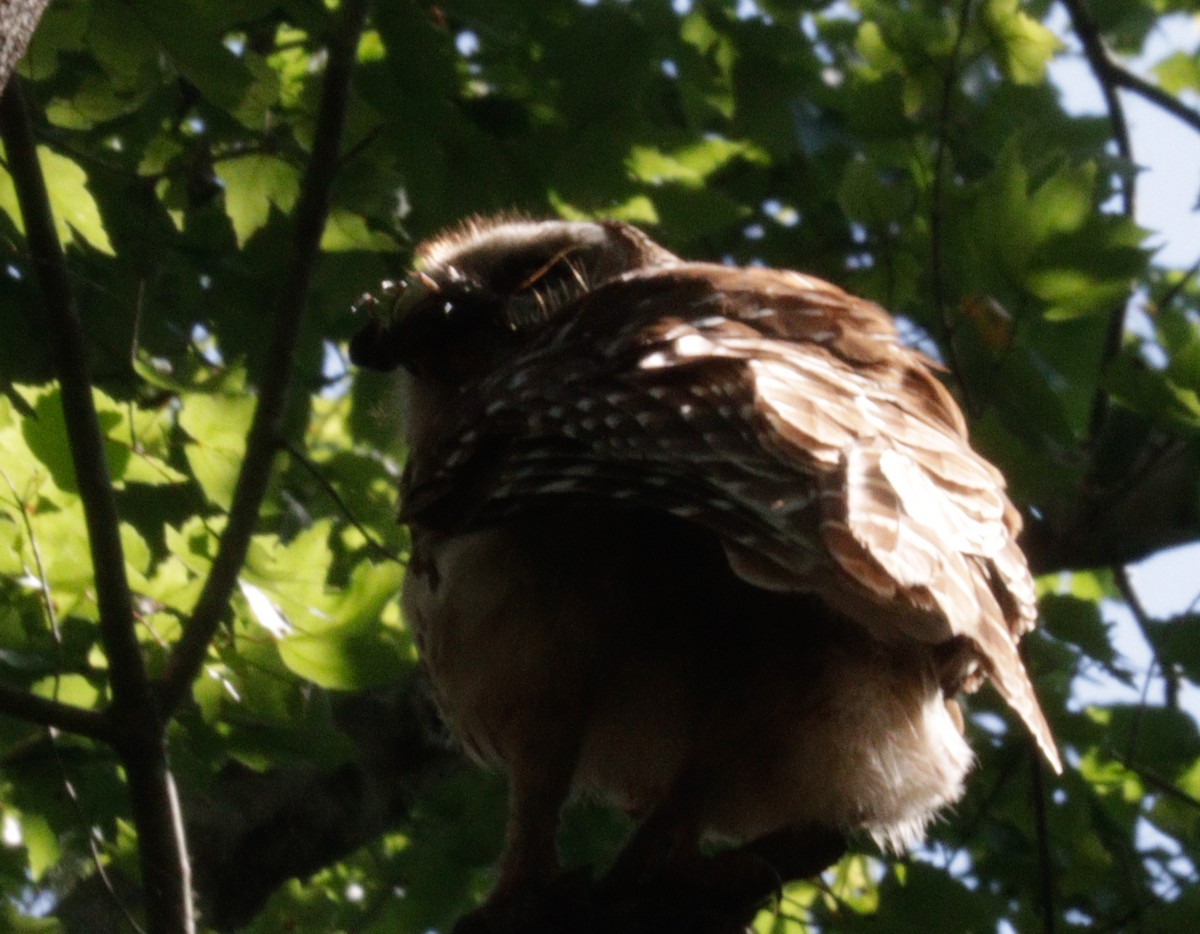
column 1120, row 75
column 1102, row 65
column 267, row 427
column 330, row 490
column 1103, row 525
column 1111, row 72
column 1169, row 675
column 1045, row 861
column 66, row 717
column 138, row 728
column 18, row 20
column 935, row 209
column 65, row 333
column 1160, row 784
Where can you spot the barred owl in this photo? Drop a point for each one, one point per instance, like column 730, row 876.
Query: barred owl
column 707, row 542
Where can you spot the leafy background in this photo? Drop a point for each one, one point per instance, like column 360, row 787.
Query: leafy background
column 915, row 152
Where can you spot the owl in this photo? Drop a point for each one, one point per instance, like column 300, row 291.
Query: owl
column 708, row 543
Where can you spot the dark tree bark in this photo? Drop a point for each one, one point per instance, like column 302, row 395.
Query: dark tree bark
column 18, row 19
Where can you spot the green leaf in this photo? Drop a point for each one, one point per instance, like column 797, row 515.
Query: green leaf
column 1072, row 293
column 1002, row 215
column 1080, row 623
column 75, row 690
column 1153, row 393
column 688, row 165
column 75, row 211
column 1177, row 641
column 1022, row 45
column 348, row 664
column 346, row 231
column 360, row 606
column 218, row 424
column 871, row 45
column 252, row 185
column 14, row 922
column 41, row 844
column 192, row 41
column 1063, row 202
column 1179, row 72
column 130, row 438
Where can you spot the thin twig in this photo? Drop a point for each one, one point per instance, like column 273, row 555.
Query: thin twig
column 1122, row 76
column 1102, row 64
column 306, row 462
column 1111, row 72
column 269, row 416
column 66, row 717
column 937, row 270
column 1047, row 876
column 43, row 580
column 52, row 731
column 85, row 826
column 1145, row 624
column 1170, row 294
column 1160, row 784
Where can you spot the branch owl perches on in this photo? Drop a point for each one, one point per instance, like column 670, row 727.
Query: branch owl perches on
column 707, row 542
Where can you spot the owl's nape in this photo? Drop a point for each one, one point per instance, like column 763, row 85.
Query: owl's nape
column 722, row 524
column 485, row 284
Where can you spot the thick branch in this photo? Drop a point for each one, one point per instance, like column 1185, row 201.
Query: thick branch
column 64, row 330
column 267, row 428
column 1103, row 526
column 66, row 717
column 138, row 729
column 18, row 19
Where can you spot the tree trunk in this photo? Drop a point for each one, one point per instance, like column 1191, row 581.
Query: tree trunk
column 18, row 19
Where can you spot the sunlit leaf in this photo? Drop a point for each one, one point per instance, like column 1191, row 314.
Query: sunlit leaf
column 253, row 184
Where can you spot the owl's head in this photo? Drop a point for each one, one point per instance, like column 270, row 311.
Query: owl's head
column 485, row 286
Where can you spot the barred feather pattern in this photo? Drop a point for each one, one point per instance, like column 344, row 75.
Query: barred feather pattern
column 778, row 411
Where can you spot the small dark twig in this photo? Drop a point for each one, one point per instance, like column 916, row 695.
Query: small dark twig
column 1102, row 63
column 1170, row 294
column 1111, row 72
column 267, row 428
column 1160, row 784
column 1145, row 624
column 66, row 717
column 1047, row 875
column 1102, row 66
column 306, row 462
column 937, row 270
column 85, row 827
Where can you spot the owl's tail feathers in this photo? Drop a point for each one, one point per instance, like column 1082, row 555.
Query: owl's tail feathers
column 1007, row 672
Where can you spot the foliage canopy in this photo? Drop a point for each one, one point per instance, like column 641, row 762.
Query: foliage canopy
column 915, row 152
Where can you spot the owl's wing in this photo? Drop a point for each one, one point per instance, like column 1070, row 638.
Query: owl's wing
column 783, row 414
